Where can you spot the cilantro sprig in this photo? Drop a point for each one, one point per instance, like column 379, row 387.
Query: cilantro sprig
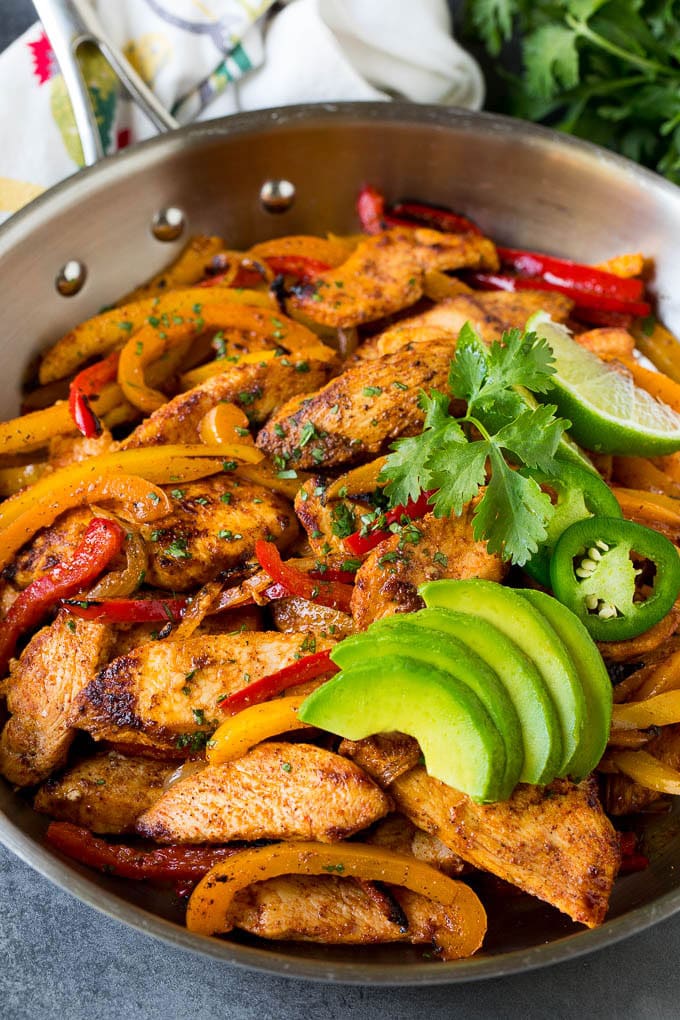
column 605, row 70
column 501, row 429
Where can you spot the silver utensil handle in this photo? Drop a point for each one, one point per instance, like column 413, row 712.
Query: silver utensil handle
column 70, row 23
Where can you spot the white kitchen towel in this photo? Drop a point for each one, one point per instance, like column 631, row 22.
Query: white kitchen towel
column 209, row 58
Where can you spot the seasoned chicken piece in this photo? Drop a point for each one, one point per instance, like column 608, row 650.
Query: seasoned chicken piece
column 387, row 272
column 106, row 793
column 58, row 663
column 623, row 796
column 213, row 526
column 358, row 414
column 327, row 522
column 608, row 343
column 553, row 842
column 275, row 791
column 169, row 690
column 387, row 581
column 341, row 911
column 490, row 313
column 386, row 756
column 398, row 834
column 65, row 450
column 301, row 615
column 258, row 389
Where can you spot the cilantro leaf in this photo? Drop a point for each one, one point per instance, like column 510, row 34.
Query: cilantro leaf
column 520, row 359
column 469, row 369
column 406, row 467
column 436, row 408
column 534, row 437
column 551, row 60
column 493, row 20
column 456, row 471
column 512, row 514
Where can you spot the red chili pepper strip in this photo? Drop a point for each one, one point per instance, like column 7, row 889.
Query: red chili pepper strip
column 371, row 209
column 359, row 544
column 308, row 668
column 87, row 384
column 633, row 862
column 162, row 864
column 435, row 217
column 571, row 274
column 128, row 610
column 325, row 593
column 102, row 540
column 305, row 269
column 583, row 300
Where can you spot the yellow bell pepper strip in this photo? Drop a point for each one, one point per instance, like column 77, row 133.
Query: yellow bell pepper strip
column 645, row 769
column 187, row 269
column 196, row 376
column 112, row 329
column 145, row 501
column 13, row 479
column 654, row 507
column 102, row 541
column 157, row 464
column 657, row 677
column 362, row 479
column 35, row 429
column 661, row 710
column 269, row 477
column 155, row 339
column 643, row 474
column 239, row 733
column 657, row 384
column 208, row 909
column 331, row 250
column 225, row 423
column 659, row 345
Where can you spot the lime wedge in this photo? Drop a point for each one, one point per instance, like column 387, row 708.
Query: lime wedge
column 608, row 412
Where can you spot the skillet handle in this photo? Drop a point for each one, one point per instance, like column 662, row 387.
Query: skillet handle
column 70, row 23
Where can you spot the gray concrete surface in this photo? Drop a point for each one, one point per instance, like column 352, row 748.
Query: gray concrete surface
column 61, row 959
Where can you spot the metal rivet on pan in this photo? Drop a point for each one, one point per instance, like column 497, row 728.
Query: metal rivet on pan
column 70, row 278
column 277, row 196
column 168, row 224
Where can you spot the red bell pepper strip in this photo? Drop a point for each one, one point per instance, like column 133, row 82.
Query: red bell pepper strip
column 162, row 864
column 87, row 384
column 128, row 610
column 326, row 593
column 305, row 269
column 571, row 274
column 308, row 668
column 583, row 300
column 371, row 209
column 103, row 539
column 359, row 544
column 631, row 859
column 435, row 217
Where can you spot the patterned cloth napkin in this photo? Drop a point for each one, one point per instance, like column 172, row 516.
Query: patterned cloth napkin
column 208, row 58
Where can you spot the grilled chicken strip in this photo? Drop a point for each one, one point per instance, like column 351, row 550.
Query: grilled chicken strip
column 106, row 793
column 326, row 522
column 490, row 313
column 340, row 911
column 355, row 416
column 386, row 272
column 276, row 791
column 169, row 690
column 258, row 389
column 553, row 842
column 432, row 548
column 57, row 664
column 399, row 834
column 297, row 614
column 213, row 526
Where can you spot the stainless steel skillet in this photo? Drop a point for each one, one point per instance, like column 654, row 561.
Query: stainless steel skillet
column 523, row 184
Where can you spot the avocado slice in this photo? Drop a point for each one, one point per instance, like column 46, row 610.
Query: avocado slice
column 541, row 736
column 519, row 621
column 457, row 736
column 404, row 637
column 595, row 681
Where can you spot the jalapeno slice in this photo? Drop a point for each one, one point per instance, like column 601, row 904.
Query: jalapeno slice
column 577, row 495
column 597, row 570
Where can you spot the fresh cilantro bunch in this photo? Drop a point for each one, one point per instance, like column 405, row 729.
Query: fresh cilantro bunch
column 455, row 456
column 606, row 70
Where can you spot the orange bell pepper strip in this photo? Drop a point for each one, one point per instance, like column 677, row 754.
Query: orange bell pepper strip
column 239, row 733
column 196, row 376
column 102, row 541
column 332, row 251
column 645, row 769
column 208, row 909
column 162, row 864
column 35, row 429
column 656, row 383
column 184, row 271
column 112, row 329
column 630, row 264
column 225, row 423
column 13, row 479
column 360, row 480
column 155, row 339
column 641, row 473
column 659, row 345
column 145, row 502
